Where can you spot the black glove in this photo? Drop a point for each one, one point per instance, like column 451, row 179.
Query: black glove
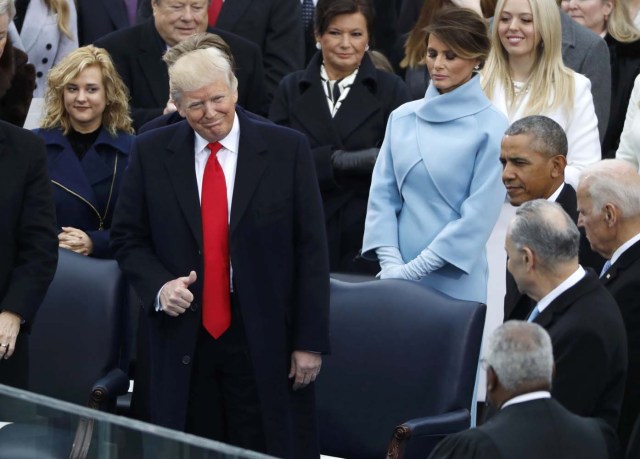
column 355, row 162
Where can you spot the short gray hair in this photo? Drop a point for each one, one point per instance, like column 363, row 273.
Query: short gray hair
column 196, row 69
column 9, row 8
column 521, row 355
column 547, row 230
column 613, row 181
column 547, row 137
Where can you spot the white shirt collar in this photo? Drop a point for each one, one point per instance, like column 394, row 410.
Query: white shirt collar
column 565, row 285
column 554, row 196
column 540, row 394
column 620, row 250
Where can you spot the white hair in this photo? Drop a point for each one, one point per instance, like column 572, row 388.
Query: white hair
column 521, row 355
column 196, row 69
column 613, row 181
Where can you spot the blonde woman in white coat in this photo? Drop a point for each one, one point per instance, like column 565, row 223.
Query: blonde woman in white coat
column 48, row 33
column 525, row 76
column 629, row 148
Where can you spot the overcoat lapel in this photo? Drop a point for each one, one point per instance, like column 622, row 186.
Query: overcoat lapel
column 318, row 124
column 252, row 160
column 360, row 104
column 180, row 164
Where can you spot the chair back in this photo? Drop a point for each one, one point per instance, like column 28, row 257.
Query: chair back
column 399, row 351
column 77, row 335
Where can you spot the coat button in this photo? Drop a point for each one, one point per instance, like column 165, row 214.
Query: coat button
column 49, row 46
column 194, row 306
column 45, row 60
column 186, row 360
column 39, row 74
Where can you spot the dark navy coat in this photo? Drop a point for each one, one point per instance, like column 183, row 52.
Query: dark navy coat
column 86, row 191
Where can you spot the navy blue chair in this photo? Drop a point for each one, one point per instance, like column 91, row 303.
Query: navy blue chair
column 75, row 348
column 403, row 365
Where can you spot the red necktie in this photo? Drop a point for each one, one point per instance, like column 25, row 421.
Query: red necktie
column 214, row 11
column 216, row 308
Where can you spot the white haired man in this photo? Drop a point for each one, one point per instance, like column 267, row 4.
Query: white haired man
column 219, row 228
column 530, row 424
column 609, row 205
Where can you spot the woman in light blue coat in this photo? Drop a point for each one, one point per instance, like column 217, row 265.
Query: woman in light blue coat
column 436, row 191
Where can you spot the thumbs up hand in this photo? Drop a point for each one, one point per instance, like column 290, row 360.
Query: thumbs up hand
column 175, row 296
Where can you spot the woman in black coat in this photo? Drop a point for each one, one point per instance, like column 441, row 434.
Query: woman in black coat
column 342, row 103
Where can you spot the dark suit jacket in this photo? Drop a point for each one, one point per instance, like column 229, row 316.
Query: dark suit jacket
column 590, row 350
column 97, row 18
column 530, row 430
column 625, row 67
column 278, row 253
column 518, row 306
column 137, row 54
column 273, row 25
column 87, row 191
column 622, row 280
column 359, row 123
column 28, row 241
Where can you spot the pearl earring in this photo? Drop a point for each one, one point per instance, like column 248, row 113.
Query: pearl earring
column 318, row 46
column 477, row 67
column 366, row 48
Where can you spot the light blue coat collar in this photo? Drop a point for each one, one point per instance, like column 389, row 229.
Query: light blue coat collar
column 467, row 99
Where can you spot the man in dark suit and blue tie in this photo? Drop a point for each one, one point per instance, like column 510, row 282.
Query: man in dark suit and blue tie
column 219, row 228
column 582, row 318
column 609, row 203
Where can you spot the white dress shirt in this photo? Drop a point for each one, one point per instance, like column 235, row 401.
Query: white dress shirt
column 540, row 394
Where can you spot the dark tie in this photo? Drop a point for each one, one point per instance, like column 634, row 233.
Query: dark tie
column 214, row 11
column 131, row 6
column 216, row 309
column 307, row 14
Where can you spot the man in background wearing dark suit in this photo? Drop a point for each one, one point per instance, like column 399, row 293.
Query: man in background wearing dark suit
column 273, row 25
column 137, row 54
column 609, row 204
column 533, row 156
column 219, row 228
column 529, row 423
column 582, row 318
column 28, row 245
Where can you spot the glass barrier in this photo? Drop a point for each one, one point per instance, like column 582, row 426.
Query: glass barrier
column 33, row 426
